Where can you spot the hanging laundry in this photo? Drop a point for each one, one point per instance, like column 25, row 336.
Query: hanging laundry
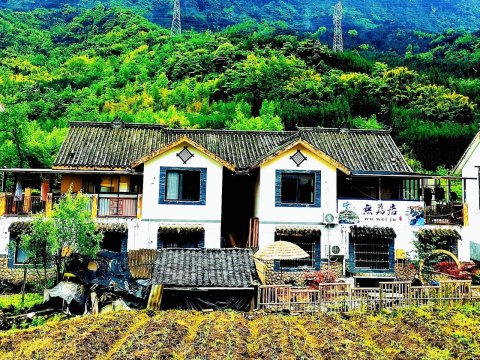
column 44, row 189
column 18, row 192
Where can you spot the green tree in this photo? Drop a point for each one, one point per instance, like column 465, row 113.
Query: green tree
column 72, row 231
column 13, row 123
column 37, row 247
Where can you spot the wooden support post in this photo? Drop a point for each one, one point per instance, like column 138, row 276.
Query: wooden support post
column 3, row 204
column 139, row 206
column 49, row 205
column 155, row 298
column 27, row 201
column 465, row 214
column 94, row 206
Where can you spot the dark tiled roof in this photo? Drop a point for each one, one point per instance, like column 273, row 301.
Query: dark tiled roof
column 298, row 230
column 432, row 234
column 112, row 227
column 361, row 150
column 180, row 229
column 359, row 232
column 20, row 227
column 103, row 145
column 233, row 268
column 118, row 146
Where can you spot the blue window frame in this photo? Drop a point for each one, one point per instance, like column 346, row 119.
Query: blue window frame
column 16, row 256
column 183, row 186
column 181, row 241
column 372, row 255
column 310, row 244
column 296, row 188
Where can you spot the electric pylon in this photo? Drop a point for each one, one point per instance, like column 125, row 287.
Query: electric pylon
column 176, row 21
column 337, row 21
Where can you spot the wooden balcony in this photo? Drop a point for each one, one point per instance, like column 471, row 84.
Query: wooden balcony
column 444, row 214
column 103, row 205
column 117, row 206
column 24, row 205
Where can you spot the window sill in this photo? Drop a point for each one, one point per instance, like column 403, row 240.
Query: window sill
column 180, row 202
column 297, row 205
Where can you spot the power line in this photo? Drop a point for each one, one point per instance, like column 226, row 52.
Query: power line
column 176, row 21
column 337, row 22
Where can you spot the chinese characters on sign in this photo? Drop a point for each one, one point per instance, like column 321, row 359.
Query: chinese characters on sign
column 377, row 212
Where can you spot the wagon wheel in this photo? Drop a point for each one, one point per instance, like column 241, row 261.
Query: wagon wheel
column 427, row 266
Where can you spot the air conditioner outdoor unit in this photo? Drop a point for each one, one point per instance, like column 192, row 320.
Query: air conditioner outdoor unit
column 335, row 250
column 330, row 218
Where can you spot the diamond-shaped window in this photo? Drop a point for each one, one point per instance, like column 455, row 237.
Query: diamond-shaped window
column 298, row 158
column 185, row 155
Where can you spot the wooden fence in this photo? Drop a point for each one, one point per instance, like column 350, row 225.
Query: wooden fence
column 141, row 263
column 341, row 297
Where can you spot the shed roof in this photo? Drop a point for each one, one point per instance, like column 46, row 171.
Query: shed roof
column 119, row 146
column 361, row 232
column 432, row 234
column 112, row 227
column 20, row 227
column 232, row 268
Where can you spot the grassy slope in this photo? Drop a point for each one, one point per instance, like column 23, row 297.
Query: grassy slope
column 409, row 334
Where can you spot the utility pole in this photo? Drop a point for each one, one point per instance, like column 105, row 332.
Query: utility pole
column 176, row 21
column 337, row 21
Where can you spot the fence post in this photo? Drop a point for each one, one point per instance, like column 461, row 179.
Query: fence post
column 155, row 298
column 380, row 298
column 259, row 297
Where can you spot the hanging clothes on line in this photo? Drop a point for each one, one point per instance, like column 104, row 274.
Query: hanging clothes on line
column 18, row 191
column 44, row 189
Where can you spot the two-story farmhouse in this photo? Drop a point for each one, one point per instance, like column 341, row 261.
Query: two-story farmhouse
column 344, row 196
column 469, row 168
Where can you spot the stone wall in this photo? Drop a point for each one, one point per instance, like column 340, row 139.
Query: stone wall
column 15, row 275
column 296, row 277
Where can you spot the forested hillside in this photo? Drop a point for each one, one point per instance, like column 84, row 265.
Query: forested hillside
column 58, row 66
column 302, row 15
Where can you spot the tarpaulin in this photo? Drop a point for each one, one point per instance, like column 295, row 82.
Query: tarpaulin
column 111, row 272
column 68, row 291
column 239, row 300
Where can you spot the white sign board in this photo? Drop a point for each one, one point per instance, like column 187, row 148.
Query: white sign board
column 381, row 213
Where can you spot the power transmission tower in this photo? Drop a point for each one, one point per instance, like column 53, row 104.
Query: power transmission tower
column 176, row 21
column 337, row 21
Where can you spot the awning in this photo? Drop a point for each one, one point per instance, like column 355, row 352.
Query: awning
column 26, row 226
column 181, row 229
column 20, row 227
column 112, row 227
column 433, row 234
column 298, row 230
column 361, row 232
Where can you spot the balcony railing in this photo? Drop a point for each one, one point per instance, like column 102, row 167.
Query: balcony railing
column 103, row 205
column 444, row 214
column 115, row 206
column 25, row 205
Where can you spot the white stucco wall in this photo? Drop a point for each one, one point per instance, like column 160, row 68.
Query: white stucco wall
column 471, row 232
column 154, row 213
column 271, row 216
column 5, row 223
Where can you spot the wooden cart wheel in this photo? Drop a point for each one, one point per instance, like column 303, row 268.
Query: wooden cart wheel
column 426, row 272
